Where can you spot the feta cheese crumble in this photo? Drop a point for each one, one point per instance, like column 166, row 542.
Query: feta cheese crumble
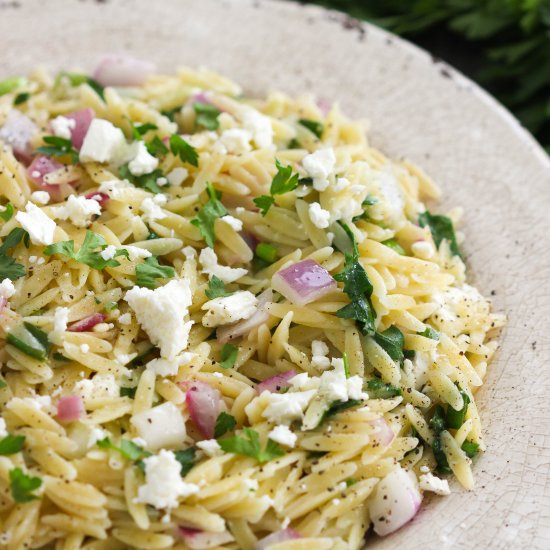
column 429, row 482
column 3, row 430
column 209, row 262
column 79, row 210
column 104, row 142
column 320, row 165
column 163, row 314
column 143, row 162
column 232, row 222
column 210, row 447
column 319, row 352
column 228, row 309
column 136, row 252
column 41, row 197
column 108, row 253
column 284, row 408
column 163, row 484
column 283, row 435
column 234, row 141
column 165, row 367
column 319, row 217
column 62, row 126
column 39, row 226
column 7, row 289
column 423, row 250
column 151, row 210
column 125, row 319
column 259, row 126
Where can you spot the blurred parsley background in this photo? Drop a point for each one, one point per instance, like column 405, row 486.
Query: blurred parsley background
column 502, row 44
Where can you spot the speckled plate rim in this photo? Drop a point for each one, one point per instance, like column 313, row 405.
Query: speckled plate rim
column 420, row 109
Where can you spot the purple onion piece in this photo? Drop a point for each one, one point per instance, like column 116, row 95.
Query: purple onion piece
column 276, row 383
column 303, row 282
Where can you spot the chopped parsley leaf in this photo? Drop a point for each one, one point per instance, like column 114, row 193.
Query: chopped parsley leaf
column 437, row 424
column 139, row 130
column 441, row 228
column 7, row 213
column 380, row 390
column 9, row 268
column 185, row 151
column 266, row 252
column 146, row 181
column 337, row 407
column 216, row 288
column 10, row 84
column 156, row 147
column 313, row 126
column 149, row 270
column 23, row 485
column 359, row 289
column 127, row 392
column 228, row 356
column 21, row 98
column 11, row 444
column 346, row 364
column 58, row 147
column 208, row 214
column 392, row 341
column 249, row 445
column 128, row 449
column 186, row 458
column 89, row 253
column 206, row 115
column 283, row 182
column 224, row 423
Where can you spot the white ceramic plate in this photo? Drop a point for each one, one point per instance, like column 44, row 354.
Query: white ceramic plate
column 420, row 109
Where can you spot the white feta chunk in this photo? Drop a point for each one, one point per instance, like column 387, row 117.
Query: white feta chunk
column 101, row 386
column 41, row 197
column 79, row 210
column 165, row 367
column 108, row 253
column 143, row 162
column 3, row 429
column 429, row 482
column 103, row 142
column 283, row 435
column 62, row 126
column 228, row 309
column 320, row 165
column 236, row 141
column 232, row 222
column 161, row 426
column 209, row 262
column 284, row 408
column 151, row 210
column 423, row 250
column 259, row 126
column 210, row 447
column 163, row 483
column 318, row 216
column 7, row 289
column 125, row 319
column 39, row 226
column 136, row 252
column 164, row 315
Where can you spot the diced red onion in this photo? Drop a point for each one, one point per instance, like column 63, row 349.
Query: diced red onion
column 200, row 97
column 17, row 131
column 279, row 536
column 230, row 332
column 204, row 403
column 122, row 70
column 41, row 166
column 82, row 119
column 195, row 539
column 88, row 323
column 395, row 502
column 3, row 303
column 303, row 282
column 384, row 434
column 101, row 198
column 70, row 408
column 276, row 383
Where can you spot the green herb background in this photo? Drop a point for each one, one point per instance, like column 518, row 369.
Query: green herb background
column 502, row 44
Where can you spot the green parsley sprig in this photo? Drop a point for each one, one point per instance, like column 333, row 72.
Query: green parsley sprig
column 58, row 147
column 208, row 214
column 284, row 181
column 248, row 444
column 150, row 270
